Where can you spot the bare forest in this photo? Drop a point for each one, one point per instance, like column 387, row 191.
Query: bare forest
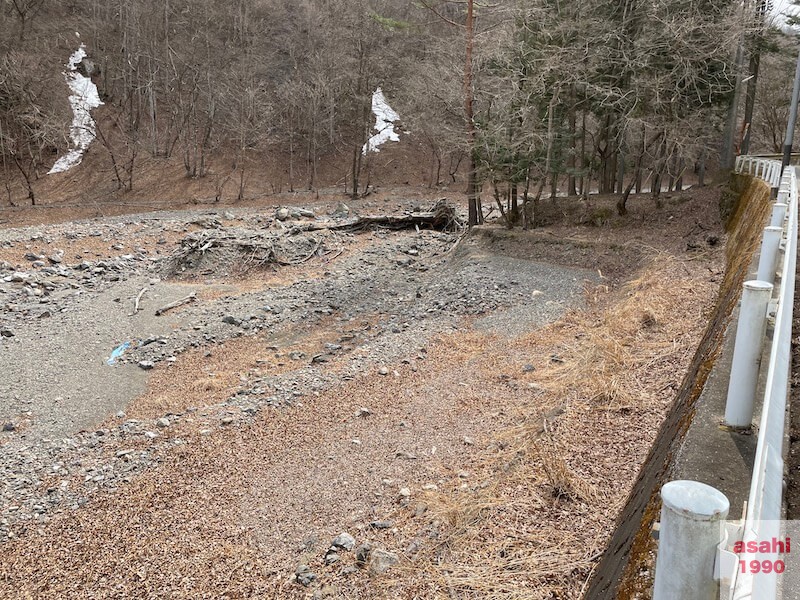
column 308, row 299
column 514, row 100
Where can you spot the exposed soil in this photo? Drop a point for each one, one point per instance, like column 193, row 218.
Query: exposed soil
column 465, row 405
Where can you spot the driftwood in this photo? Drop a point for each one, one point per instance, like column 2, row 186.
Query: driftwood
column 190, row 298
column 136, row 302
column 295, row 244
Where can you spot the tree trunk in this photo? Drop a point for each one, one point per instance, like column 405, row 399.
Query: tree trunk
column 761, row 8
column 727, row 154
column 472, row 183
column 573, row 135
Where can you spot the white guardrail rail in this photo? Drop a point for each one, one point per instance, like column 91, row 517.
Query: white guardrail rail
column 696, row 558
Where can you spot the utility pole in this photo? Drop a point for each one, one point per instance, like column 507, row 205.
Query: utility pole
column 787, row 141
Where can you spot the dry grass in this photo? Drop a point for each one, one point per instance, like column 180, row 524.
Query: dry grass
column 553, row 484
column 206, row 376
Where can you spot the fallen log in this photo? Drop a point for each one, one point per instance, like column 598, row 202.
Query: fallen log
column 441, row 216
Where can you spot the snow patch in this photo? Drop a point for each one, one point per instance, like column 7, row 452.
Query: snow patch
column 385, row 118
column 83, row 99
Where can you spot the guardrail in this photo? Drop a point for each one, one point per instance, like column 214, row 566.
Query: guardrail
column 763, row 168
column 695, row 552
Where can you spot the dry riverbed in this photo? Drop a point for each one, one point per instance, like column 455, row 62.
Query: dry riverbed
column 469, row 411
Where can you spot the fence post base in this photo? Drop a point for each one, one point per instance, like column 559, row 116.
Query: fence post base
column 690, row 531
column 747, row 354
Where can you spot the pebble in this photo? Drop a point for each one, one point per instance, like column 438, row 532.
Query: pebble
column 304, row 575
column 146, row 365
column 362, row 553
column 381, row 561
column 163, row 422
column 388, row 524
column 344, row 540
column 383, row 371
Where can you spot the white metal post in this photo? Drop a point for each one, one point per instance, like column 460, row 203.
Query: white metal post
column 768, row 259
column 687, row 541
column 778, row 214
column 747, row 353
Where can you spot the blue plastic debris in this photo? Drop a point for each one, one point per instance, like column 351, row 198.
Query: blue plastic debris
column 118, row 351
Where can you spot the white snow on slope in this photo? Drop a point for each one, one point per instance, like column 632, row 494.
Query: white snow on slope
column 83, row 99
column 385, row 118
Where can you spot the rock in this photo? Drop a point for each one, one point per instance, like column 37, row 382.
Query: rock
column 381, row 561
column 304, row 575
column 344, row 540
column 528, row 369
column 363, row 412
column 468, row 441
column 231, row 320
column 6, row 332
column 430, row 487
column 341, row 211
column 362, row 553
column 404, row 492
column 228, row 215
column 146, row 365
column 388, row 524
column 226, row 420
column 33, row 257
column 383, row 371
column 163, row 422
column 405, row 455
column 45, row 314
column 282, row 214
column 9, row 427
column 331, row 557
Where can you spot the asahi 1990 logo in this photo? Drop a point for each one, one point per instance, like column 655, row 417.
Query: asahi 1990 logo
column 756, row 556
